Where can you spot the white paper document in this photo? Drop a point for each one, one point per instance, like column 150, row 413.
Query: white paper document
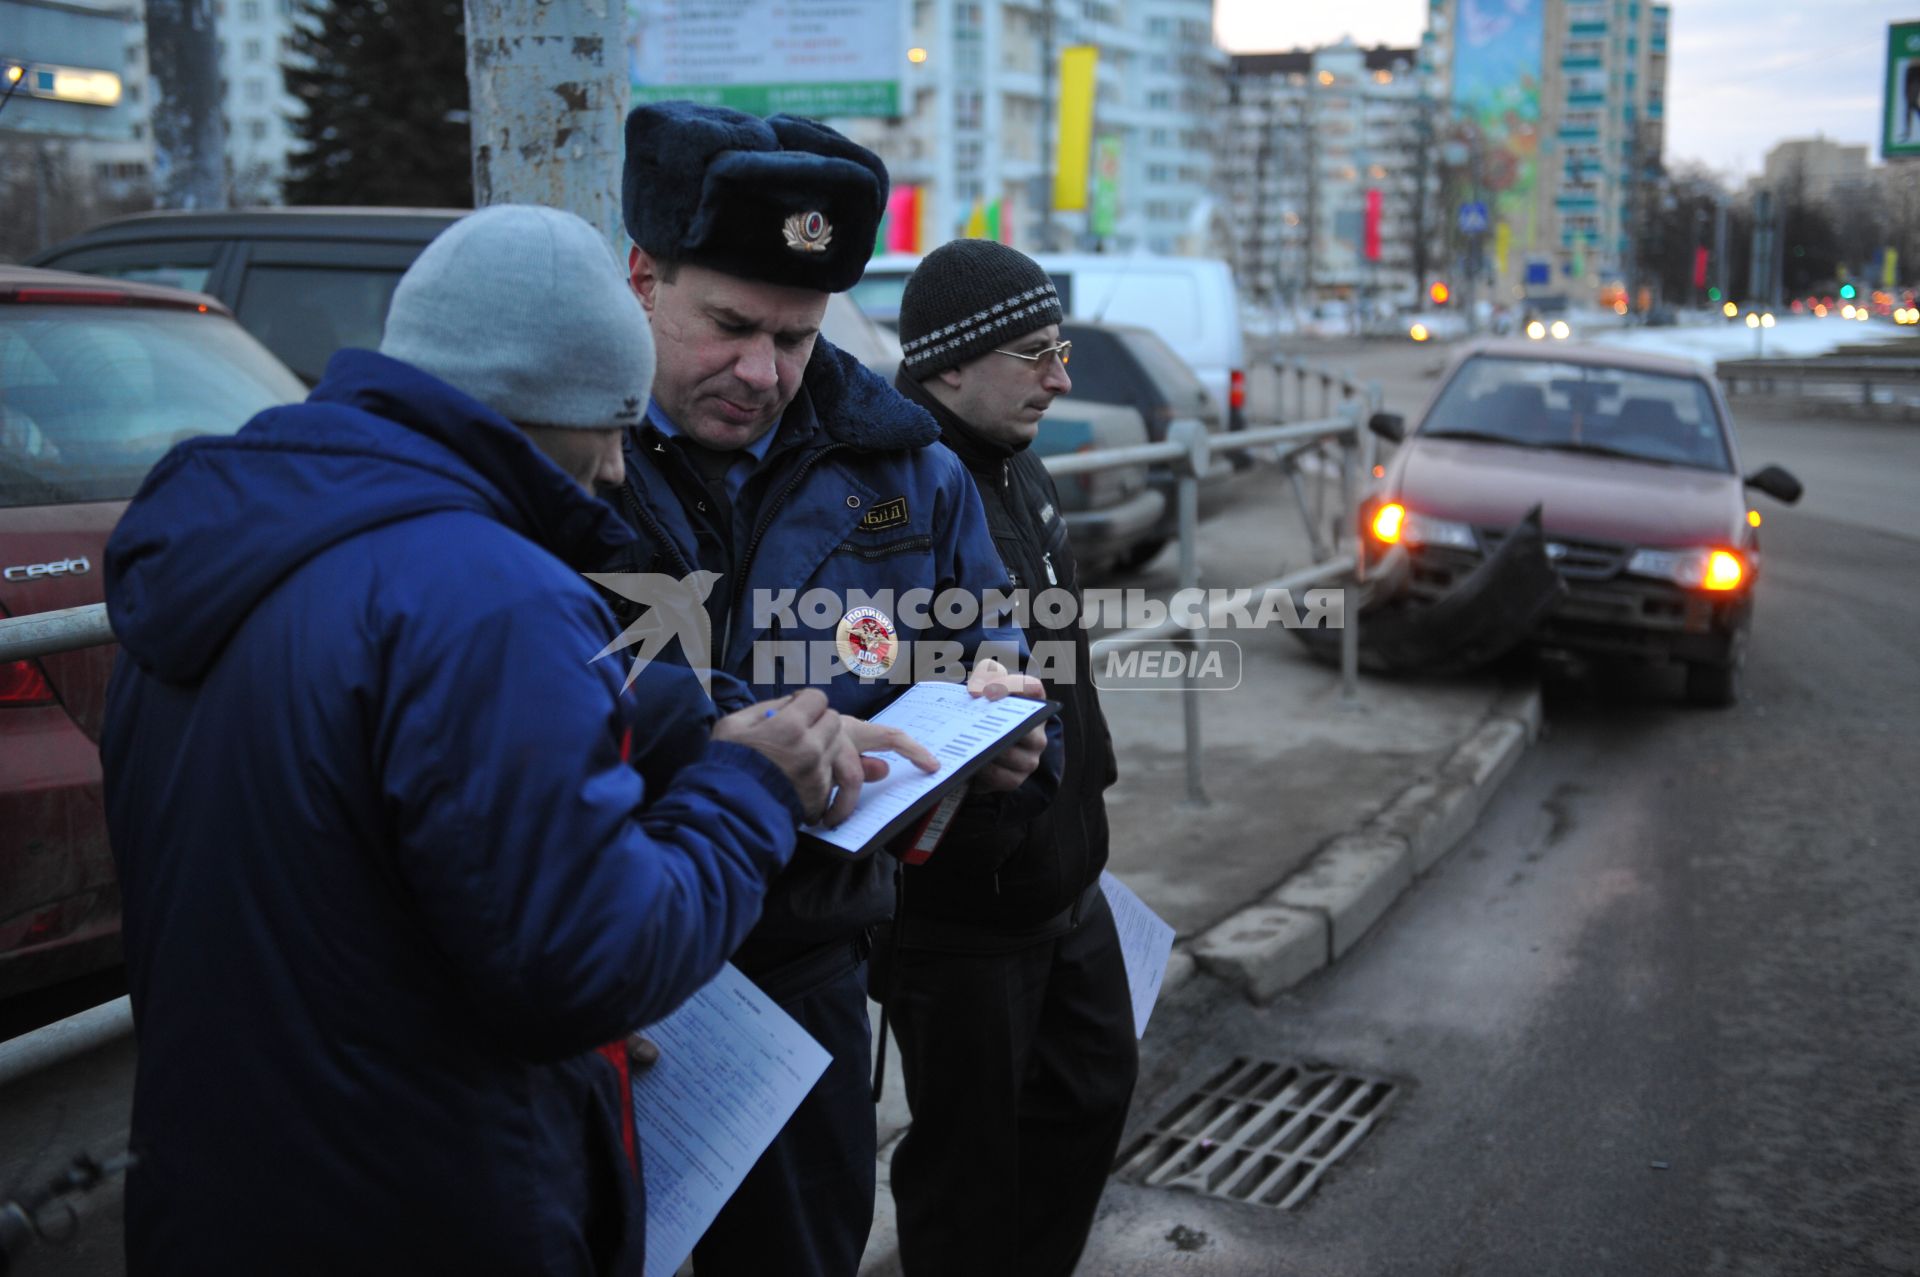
column 1145, row 944
column 955, row 726
column 733, row 1067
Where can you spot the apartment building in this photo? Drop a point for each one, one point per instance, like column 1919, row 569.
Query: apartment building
column 73, row 140
column 1593, row 151
column 1826, row 170
column 980, row 119
column 256, row 37
column 1326, row 154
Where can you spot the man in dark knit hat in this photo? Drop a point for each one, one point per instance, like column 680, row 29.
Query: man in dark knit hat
column 1004, row 979
column 782, row 464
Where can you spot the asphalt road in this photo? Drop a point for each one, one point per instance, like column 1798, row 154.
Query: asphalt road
column 1661, row 1013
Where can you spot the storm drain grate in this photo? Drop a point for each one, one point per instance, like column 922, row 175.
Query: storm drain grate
column 1258, row 1132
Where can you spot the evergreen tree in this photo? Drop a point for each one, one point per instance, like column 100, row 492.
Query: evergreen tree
column 384, row 84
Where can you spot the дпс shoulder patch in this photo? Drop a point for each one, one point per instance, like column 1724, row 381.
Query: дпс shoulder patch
column 885, row 514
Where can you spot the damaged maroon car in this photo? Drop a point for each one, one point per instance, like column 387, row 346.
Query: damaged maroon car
column 1575, row 498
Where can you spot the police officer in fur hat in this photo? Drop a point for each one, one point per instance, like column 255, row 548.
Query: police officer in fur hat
column 779, row 462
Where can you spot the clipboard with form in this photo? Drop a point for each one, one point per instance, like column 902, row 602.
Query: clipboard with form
column 963, row 731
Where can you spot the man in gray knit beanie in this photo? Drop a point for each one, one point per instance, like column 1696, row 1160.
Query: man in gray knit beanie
column 476, row 310
column 398, row 876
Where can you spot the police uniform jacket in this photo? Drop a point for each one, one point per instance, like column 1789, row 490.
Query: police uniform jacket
column 856, row 494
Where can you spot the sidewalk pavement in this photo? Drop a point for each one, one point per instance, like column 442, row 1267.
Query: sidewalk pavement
column 1320, row 811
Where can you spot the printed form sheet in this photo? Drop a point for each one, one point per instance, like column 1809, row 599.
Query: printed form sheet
column 733, row 1067
column 954, row 725
column 1145, row 944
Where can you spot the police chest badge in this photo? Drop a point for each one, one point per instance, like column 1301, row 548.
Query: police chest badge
column 808, row 232
column 866, row 642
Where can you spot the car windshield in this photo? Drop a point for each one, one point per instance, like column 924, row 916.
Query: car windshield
column 1537, row 403
column 92, row 396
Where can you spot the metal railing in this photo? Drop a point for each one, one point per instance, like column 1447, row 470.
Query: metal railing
column 1188, row 451
column 1870, row 375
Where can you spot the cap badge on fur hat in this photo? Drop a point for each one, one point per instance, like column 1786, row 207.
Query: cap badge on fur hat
column 808, row 232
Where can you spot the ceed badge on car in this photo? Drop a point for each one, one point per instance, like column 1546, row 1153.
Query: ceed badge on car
column 77, row 566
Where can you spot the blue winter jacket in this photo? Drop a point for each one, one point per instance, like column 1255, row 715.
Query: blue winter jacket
column 856, row 497
column 387, row 880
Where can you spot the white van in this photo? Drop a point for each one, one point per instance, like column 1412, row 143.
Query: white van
column 1191, row 302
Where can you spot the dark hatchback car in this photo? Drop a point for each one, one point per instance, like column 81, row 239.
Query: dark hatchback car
column 97, row 380
column 305, row 281
column 1132, row 366
column 1643, row 513
column 309, row 281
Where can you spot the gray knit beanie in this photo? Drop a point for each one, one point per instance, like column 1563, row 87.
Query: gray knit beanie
column 526, row 309
column 967, row 297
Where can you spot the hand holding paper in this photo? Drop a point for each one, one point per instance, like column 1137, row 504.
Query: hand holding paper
column 961, row 731
column 1010, row 768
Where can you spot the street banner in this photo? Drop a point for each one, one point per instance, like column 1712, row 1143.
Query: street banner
column 1106, row 186
column 1498, row 50
column 1078, row 65
column 1900, row 135
column 823, row 58
column 900, row 228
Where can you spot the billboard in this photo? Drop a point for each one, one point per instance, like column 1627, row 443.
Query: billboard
column 1900, row 132
column 1497, row 53
column 805, row 57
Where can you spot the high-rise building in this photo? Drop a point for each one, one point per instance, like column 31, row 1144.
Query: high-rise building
column 73, row 138
column 1585, row 147
column 981, row 115
column 1329, row 166
column 256, row 37
column 1823, row 169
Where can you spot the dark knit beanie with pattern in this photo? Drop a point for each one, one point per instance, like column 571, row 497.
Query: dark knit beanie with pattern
column 967, row 297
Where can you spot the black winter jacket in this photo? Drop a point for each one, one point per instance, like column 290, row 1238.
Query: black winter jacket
column 1016, row 876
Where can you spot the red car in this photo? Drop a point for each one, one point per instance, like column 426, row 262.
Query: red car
column 1586, row 500
column 98, row 378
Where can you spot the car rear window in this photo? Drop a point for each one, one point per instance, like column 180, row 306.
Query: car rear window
column 1168, row 370
column 1646, row 416
column 305, row 313
column 1102, row 372
column 92, row 396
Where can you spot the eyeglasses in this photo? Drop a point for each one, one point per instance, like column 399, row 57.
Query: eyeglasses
column 1064, row 350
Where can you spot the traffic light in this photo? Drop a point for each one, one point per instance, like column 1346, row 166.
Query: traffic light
column 1713, row 294
column 1439, row 292
column 1846, row 292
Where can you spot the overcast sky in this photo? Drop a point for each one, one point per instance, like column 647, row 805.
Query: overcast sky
column 1741, row 74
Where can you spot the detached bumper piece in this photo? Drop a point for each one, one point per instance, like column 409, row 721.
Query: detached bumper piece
column 1486, row 615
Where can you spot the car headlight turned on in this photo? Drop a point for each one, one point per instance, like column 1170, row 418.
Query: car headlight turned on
column 1386, row 523
column 1699, row 569
column 1419, row 332
column 1560, row 330
column 1422, row 529
column 1536, row 330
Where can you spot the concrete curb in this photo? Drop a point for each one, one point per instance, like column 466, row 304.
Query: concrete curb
column 1337, row 896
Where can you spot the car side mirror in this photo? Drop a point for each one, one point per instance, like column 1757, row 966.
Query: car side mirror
column 1390, row 426
column 1776, row 483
